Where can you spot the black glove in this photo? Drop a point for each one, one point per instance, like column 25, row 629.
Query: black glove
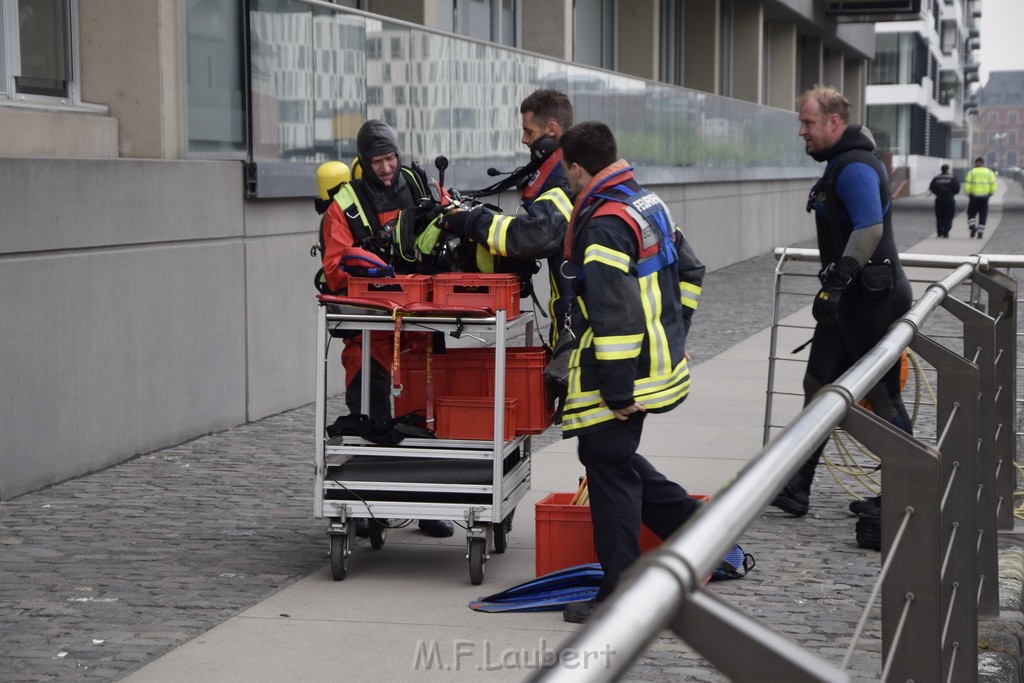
column 835, row 278
column 425, row 211
column 457, row 223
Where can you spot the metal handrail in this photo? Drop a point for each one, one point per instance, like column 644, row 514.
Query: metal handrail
column 670, row 577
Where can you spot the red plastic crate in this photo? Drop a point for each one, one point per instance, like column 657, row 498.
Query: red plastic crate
column 565, row 534
column 454, row 374
column 524, row 381
column 401, row 289
column 478, row 290
column 472, row 418
column 413, row 378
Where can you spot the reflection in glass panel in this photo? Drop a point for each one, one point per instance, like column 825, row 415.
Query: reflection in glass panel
column 281, row 40
column 339, row 71
column 216, row 106
column 319, row 73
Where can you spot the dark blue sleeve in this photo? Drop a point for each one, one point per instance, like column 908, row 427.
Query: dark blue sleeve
column 857, row 187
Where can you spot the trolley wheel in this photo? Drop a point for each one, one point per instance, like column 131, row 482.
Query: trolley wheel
column 340, row 551
column 477, row 558
column 378, row 534
column 501, row 531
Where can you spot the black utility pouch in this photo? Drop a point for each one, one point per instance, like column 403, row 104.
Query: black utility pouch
column 877, row 280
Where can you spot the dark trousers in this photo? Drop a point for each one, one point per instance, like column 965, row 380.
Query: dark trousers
column 944, row 211
column 835, row 347
column 977, row 206
column 380, row 392
column 626, row 489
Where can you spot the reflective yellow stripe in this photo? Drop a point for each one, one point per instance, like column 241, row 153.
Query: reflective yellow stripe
column 557, row 197
column 586, row 419
column 497, row 234
column 657, row 343
column 618, row 347
column 689, row 294
column 584, row 409
column 597, row 253
column 650, row 386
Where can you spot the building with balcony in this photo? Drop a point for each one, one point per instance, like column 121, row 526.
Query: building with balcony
column 156, row 171
column 919, row 83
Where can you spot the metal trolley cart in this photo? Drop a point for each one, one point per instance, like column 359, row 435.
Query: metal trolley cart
column 475, row 483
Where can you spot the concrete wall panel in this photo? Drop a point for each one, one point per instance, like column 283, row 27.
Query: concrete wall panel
column 281, row 326
column 34, row 133
column 731, row 223
column 110, row 353
column 70, row 204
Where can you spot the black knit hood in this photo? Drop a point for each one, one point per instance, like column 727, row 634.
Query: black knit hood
column 854, row 137
column 376, row 138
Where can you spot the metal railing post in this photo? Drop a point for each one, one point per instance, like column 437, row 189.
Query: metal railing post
column 980, row 348
column 911, row 605
column 1002, row 307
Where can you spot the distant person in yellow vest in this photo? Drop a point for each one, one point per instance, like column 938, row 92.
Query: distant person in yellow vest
column 979, row 185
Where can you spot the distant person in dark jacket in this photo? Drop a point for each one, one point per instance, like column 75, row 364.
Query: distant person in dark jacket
column 944, row 186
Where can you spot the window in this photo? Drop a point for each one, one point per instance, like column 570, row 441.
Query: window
column 895, row 58
column 725, row 86
column 491, row 20
column 672, row 40
column 215, row 86
column 37, row 57
column 766, row 62
column 594, row 33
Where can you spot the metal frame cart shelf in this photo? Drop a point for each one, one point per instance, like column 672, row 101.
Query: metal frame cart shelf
column 475, row 483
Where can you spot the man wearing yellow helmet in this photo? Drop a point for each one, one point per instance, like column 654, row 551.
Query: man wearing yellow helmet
column 361, row 235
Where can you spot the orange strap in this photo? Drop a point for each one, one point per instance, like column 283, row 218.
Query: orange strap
column 396, row 355
column 430, row 385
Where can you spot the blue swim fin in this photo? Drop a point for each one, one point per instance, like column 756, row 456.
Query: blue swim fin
column 545, row 593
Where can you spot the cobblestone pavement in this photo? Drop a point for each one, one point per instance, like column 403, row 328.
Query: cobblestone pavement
column 101, row 574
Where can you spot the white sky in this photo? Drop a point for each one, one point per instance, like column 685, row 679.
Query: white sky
column 1002, row 27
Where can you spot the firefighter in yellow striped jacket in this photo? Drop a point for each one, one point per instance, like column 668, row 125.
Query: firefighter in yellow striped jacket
column 979, row 185
column 624, row 251
column 538, row 230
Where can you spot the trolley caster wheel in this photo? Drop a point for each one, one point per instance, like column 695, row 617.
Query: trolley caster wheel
column 340, row 551
column 378, row 534
column 477, row 559
column 501, row 532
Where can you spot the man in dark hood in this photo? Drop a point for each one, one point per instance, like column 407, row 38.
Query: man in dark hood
column 863, row 287
column 381, row 161
column 357, row 232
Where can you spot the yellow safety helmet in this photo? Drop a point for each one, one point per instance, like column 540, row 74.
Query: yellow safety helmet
column 357, row 168
column 329, row 176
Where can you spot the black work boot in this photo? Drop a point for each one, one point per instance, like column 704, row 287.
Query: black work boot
column 795, row 496
column 579, row 612
column 869, row 506
column 794, row 500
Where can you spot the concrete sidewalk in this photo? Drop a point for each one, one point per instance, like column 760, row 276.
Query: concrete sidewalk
column 402, row 611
